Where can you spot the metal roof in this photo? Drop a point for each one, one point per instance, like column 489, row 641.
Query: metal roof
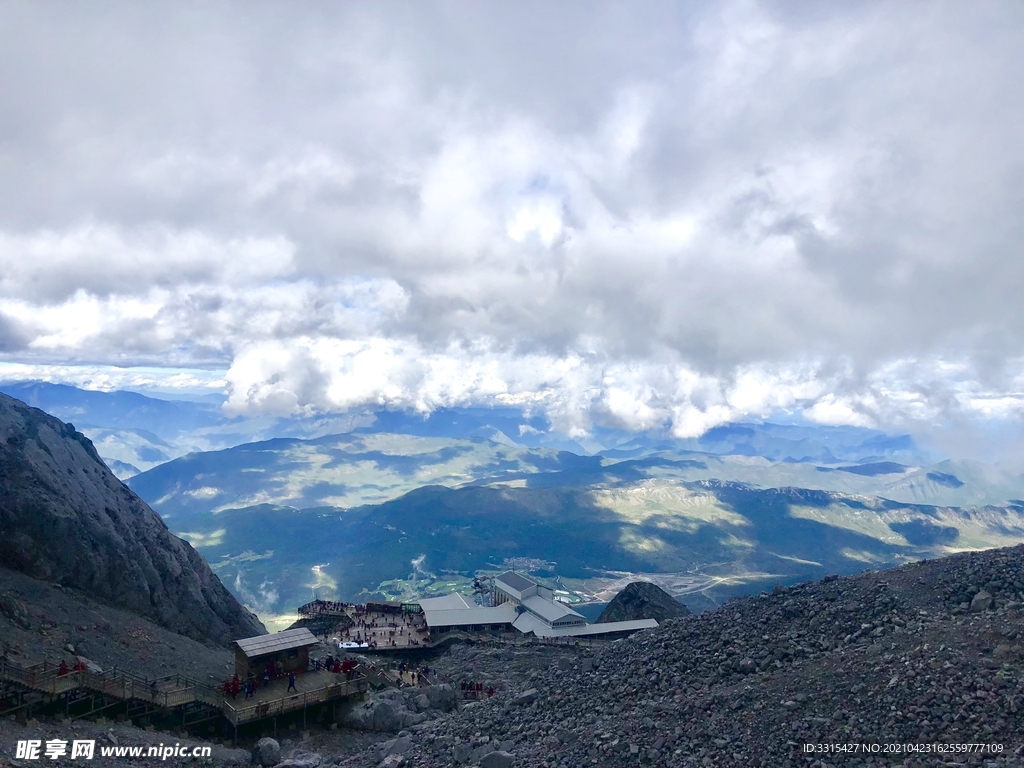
column 280, row 641
column 527, row 623
column 464, row 617
column 454, row 601
column 603, row 629
column 549, row 610
column 517, row 582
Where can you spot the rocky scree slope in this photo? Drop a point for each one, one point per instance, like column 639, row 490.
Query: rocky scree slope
column 642, row 600
column 65, row 518
column 894, row 657
column 39, row 620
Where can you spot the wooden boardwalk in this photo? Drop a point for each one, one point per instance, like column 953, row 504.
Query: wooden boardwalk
column 169, row 693
column 310, row 688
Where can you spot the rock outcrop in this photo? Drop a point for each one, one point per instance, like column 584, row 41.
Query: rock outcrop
column 642, row 600
column 395, row 709
column 65, row 518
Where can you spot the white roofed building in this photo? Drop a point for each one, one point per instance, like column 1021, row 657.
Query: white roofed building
column 521, row 604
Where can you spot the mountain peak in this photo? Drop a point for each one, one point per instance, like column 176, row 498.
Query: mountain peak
column 65, row 518
column 642, row 600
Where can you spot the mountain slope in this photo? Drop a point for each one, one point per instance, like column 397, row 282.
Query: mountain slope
column 64, row 517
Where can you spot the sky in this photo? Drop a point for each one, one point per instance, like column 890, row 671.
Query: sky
column 639, row 216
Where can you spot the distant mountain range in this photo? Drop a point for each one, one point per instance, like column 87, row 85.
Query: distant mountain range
column 714, row 537
column 135, row 432
column 393, row 504
column 365, row 468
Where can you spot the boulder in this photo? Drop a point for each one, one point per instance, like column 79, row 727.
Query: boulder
column 441, row 697
column 91, row 666
column 268, row 752
column 307, row 760
column 526, row 697
column 496, row 760
column 385, row 712
column 981, row 602
column 398, row 746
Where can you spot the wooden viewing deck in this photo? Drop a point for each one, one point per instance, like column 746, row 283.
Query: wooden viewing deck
column 410, row 629
column 171, row 692
column 312, row 688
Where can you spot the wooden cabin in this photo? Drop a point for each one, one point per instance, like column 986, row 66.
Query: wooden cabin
column 290, row 647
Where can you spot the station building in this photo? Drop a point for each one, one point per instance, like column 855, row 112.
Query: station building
column 520, row 605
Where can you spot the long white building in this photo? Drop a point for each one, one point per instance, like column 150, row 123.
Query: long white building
column 520, row 604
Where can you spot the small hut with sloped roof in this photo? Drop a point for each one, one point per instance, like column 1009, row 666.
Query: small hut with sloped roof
column 290, row 647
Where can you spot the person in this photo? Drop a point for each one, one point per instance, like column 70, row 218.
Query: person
column 234, row 687
column 79, row 666
column 266, row 677
column 63, row 668
column 291, row 681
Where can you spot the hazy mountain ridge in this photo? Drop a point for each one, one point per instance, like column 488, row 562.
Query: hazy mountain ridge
column 338, row 470
column 364, row 467
column 143, row 431
column 64, row 517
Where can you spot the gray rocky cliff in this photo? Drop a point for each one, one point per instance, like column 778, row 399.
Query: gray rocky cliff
column 65, row 517
column 642, row 600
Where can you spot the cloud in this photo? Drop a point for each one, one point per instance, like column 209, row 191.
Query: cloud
column 13, row 336
column 659, row 220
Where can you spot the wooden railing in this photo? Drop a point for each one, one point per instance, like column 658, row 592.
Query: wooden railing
column 244, row 714
column 321, row 608
column 167, row 692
